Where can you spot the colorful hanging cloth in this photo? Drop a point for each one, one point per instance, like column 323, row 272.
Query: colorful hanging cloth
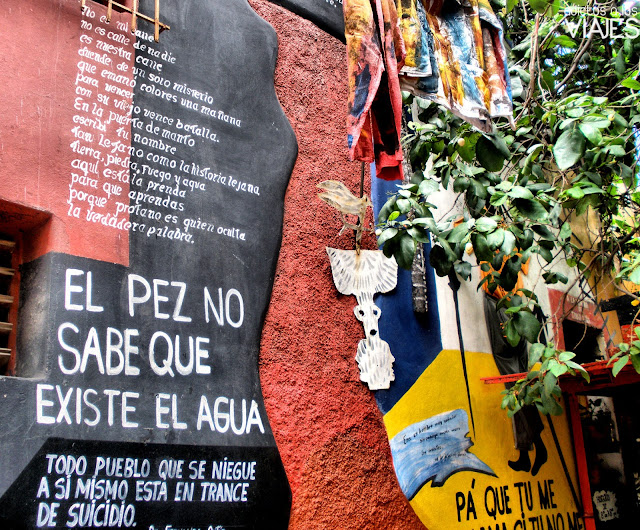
column 467, row 70
column 375, row 53
column 448, row 51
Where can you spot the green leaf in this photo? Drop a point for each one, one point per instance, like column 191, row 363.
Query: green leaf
column 564, row 41
column 556, row 368
column 599, row 122
column 527, row 325
column 386, row 235
column 439, row 260
column 511, row 334
column 486, row 224
column 519, row 192
column 498, row 198
column 467, row 151
column 458, row 233
column 616, row 150
column 509, row 243
column 592, row 133
column 403, row 205
column 527, row 239
column 481, row 247
column 634, row 277
column 495, row 238
column 548, row 80
column 479, row 190
column 635, row 360
column 418, row 234
column 574, row 193
column 535, row 353
column 565, row 232
column 569, row 148
column 406, row 251
column 545, row 253
column 575, row 366
column 619, row 365
column 619, row 64
column 630, row 83
column 531, row 208
column 543, row 232
column 429, row 223
column 496, row 261
column 386, row 209
column 550, row 382
column 488, row 156
column 463, row 269
column 501, row 145
column 540, row 6
column 566, row 355
column 428, row 186
column 461, row 184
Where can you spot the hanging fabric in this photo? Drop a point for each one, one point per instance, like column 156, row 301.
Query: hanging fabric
column 468, row 72
column 375, row 53
column 449, row 52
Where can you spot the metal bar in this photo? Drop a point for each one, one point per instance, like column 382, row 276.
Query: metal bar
column 5, row 299
column 356, row 232
column 156, row 23
column 5, row 244
column 139, row 15
column 563, row 462
column 6, row 271
column 134, row 14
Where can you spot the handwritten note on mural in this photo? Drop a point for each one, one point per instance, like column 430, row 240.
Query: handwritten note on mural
column 434, row 449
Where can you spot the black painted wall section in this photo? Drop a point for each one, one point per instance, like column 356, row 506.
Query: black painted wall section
column 139, row 400
column 326, row 14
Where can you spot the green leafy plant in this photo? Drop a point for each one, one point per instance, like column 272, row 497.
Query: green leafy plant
column 559, row 187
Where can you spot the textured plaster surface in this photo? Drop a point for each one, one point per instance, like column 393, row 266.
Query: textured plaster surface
column 328, row 428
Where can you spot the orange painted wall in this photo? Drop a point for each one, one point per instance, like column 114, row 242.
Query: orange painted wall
column 326, row 422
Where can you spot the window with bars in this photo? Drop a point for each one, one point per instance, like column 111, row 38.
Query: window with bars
column 8, row 299
column 132, row 7
column 24, row 235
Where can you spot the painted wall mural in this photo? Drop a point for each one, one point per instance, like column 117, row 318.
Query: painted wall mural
column 140, row 366
column 326, row 14
column 138, row 372
column 456, row 475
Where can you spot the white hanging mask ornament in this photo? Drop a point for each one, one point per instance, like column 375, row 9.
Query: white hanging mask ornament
column 362, row 275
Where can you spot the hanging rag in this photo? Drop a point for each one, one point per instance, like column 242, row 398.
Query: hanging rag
column 468, row 72
column 375, row 53
column 450, row 52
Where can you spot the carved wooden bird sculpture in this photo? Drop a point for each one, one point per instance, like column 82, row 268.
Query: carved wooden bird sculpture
column 336, row 194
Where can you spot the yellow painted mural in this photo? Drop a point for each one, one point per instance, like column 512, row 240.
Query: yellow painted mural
column 474, row 487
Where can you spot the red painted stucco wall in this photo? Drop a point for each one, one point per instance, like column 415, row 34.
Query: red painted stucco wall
column 326, row 422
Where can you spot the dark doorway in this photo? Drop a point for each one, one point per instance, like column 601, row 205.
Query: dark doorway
column 583, row 340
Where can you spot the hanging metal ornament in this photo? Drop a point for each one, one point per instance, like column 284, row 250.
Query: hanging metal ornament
column 363, row 274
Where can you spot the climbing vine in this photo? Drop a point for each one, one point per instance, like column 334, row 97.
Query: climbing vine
column 558, row 188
